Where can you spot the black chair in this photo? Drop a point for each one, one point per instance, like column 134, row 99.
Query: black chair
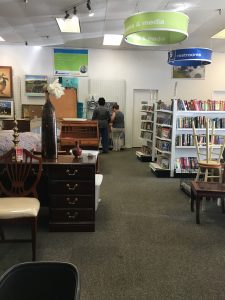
column 40, row 281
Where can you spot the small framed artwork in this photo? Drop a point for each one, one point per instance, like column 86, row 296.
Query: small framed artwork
column 6, row 82
column 34, row 85
column 189, row 72
column 6, row 109
column 69, row 82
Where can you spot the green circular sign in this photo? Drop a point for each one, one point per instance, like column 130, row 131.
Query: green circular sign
column 156, row 28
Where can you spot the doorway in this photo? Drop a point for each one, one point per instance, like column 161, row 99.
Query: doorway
column 139, row 96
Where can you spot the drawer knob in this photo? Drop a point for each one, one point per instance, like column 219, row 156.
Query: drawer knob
column 72, row 201
column 71, row 172
column 72, row 216
column 71, row 188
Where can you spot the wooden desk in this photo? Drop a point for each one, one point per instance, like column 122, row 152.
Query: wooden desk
column 205, row 189
column 67, row 187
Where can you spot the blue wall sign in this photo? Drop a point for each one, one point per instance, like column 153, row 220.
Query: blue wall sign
column 190, row 57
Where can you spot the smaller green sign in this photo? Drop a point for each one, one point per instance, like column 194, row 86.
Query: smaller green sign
column 156, row 28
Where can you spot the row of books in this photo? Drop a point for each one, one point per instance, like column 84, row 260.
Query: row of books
column 164, row 120
column 146, row 135
column 164, row 132
column 163, row 145
column 146, row 150
column 163, row 162
column 188, row 140
column 148, row 117
column 202, row 105
column 186, row 165
column 147, row 126
column 200, row 121
column 147, row 108
column 164, row 106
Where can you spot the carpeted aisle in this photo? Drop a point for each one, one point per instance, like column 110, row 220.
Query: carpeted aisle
column 146, row 244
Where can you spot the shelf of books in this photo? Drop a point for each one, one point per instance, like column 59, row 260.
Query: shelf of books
column 162, row 130
column 183, row 152
column 147, row 128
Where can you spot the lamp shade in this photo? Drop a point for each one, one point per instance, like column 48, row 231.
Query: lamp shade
column 156, row 28
column 190, row 57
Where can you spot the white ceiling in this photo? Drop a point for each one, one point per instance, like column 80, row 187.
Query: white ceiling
column 34, row 22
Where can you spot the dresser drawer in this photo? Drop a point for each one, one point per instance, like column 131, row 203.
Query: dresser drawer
column 72, row 215
column 72, row 187
column 70, row 201
column 72, row 172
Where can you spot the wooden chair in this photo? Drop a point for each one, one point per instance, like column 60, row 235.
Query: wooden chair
column 18, row 195
column 209, row 148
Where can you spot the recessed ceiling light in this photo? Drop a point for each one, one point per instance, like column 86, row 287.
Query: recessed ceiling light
column 219, row 35
column 1, row 39
column 69, row 25
column 112, row 39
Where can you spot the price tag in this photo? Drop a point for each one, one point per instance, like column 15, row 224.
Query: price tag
column 19, row 154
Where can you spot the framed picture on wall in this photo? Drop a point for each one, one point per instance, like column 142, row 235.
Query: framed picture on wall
column 6, row 109
column 34, row 85
column 6, row 82
column 189, row 72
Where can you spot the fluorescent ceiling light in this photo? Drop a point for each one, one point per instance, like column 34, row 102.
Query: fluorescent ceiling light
column 69, row 25
column 112, row 39
column 219, row 35
column 1, row 39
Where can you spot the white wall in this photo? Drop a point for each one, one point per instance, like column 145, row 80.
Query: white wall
column 141, row 69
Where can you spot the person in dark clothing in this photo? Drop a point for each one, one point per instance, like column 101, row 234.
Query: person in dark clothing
column 102, row 114
column 117, row 120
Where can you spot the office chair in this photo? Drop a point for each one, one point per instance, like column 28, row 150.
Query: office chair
column 18, row 195
column 40, row 281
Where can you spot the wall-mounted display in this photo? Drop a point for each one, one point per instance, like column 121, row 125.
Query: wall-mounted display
column 6, row 109
column 71, row 62
column 34, row 85
column 6, row 82
column 31, row 111
column 189, row 72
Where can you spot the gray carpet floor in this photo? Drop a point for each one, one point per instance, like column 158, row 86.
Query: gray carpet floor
column 146, row 244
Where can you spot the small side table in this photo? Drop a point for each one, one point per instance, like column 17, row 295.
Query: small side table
column 205, row 189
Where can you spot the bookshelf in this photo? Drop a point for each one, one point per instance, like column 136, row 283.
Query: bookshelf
column 147, row 128
column 162, row 133
column 183, row 152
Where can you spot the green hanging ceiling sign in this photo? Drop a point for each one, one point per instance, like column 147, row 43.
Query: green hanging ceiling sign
column 156, row 28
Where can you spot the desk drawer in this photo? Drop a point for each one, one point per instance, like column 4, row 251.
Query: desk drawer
column 70, row 201
column 72, row 172
column 72, row 215
column 72, row 187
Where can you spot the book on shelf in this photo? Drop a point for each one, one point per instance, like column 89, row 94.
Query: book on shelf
column 201, row 105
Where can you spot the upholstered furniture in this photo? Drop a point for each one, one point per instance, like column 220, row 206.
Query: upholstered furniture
column 18, row 195
column 40, row 281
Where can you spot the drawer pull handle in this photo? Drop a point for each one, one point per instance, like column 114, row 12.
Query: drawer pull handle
column 72, row 201
column 72, row 216
column 70, row 173
column 71, row 188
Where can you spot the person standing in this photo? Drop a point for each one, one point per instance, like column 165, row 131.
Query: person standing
column 102, row 115
column 117, row 121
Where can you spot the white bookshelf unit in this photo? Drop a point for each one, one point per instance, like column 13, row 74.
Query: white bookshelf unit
column 183, row 152
column 147, row 128
column 162, row 130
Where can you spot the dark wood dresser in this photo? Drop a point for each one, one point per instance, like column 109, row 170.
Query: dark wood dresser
column 71, row 184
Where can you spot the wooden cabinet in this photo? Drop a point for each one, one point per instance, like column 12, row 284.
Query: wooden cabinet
column 85, row 132
column 72, row 194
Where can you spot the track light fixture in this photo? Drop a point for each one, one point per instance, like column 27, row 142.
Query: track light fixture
column 89, row 5
column 66, row 15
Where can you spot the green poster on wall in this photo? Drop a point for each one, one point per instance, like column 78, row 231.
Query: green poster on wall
column 70, row 62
